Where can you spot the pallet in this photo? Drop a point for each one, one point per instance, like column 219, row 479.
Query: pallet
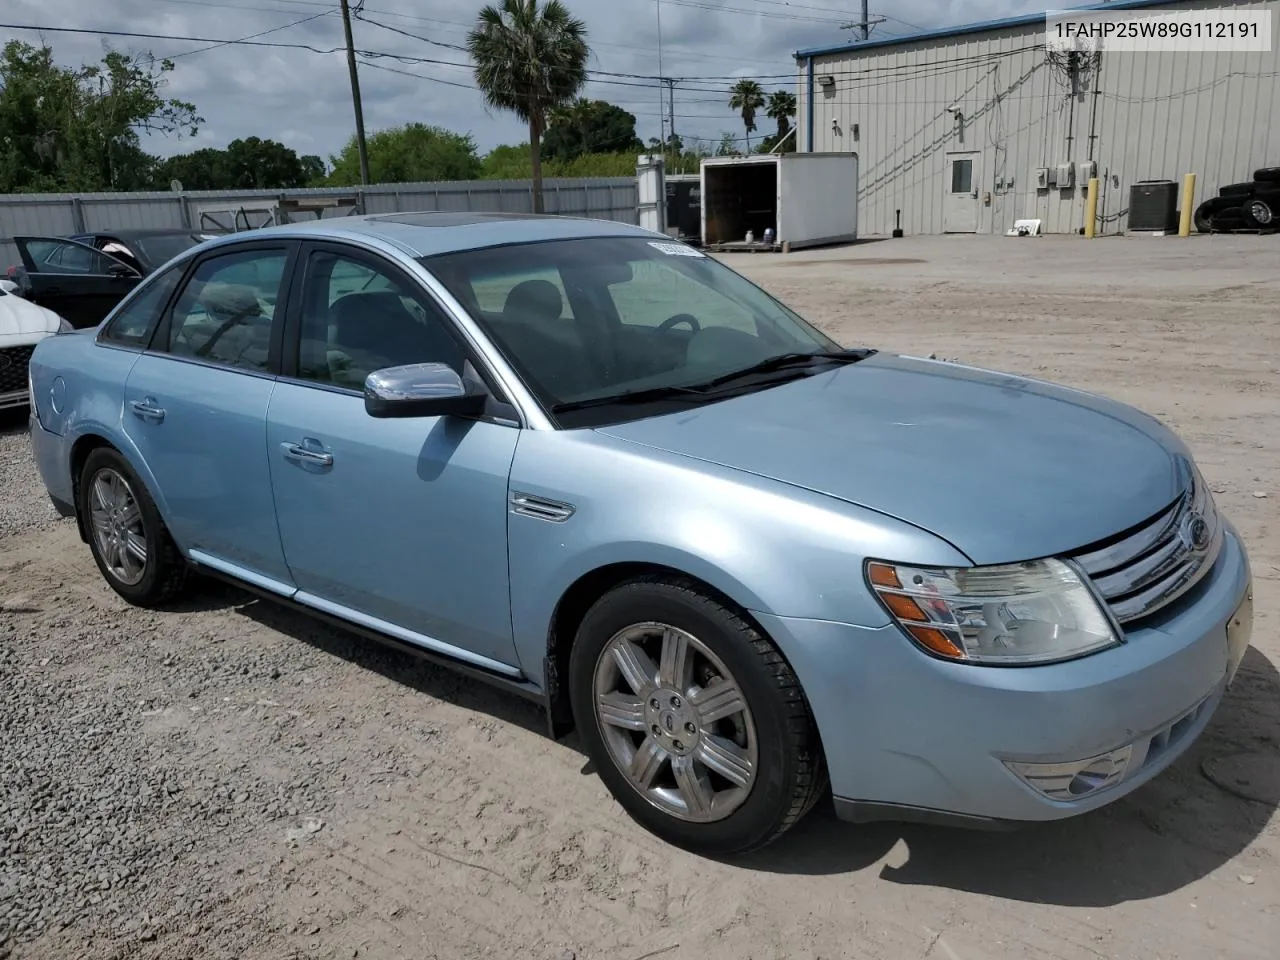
column 741, row 246
column 1252, row 231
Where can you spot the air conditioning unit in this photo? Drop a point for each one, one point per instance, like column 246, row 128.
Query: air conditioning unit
column 1086, row 170
column 1066, row 176
column 1042, row 178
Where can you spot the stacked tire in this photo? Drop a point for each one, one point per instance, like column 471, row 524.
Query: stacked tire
column 1243, row 206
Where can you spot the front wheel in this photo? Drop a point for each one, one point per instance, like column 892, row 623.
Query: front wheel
column 1260, row 215
column 695, row 721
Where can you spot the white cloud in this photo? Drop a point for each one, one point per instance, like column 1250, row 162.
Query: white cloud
column 304, row 99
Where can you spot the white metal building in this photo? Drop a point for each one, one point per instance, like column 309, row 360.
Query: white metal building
column 965, row 130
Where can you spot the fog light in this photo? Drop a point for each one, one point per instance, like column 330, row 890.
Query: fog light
column 1075, row 779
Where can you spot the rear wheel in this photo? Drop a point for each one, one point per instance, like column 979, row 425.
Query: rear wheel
column 694, row 720
column 1259, row 214
column 129, row 541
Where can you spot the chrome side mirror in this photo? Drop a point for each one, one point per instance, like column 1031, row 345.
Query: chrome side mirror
column 421, row 390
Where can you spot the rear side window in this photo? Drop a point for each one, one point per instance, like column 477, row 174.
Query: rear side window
column 134, row 322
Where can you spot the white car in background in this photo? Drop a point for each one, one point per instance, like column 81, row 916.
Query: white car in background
column 22, row 325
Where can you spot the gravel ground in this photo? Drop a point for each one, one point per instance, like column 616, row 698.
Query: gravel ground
column 231, row 780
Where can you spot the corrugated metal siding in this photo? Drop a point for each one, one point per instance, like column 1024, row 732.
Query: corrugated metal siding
column 605, row 198
column 1141, row 117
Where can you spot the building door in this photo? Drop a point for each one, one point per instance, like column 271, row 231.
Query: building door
column 960, row 203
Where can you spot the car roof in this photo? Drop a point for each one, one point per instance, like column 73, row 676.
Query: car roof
column 138, row 234
column 430, row 233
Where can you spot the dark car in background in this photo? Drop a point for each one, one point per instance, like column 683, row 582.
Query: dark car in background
column 83, row 276
column 1254, row 205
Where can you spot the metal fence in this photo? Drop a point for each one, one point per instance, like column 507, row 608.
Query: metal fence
column 63, row 214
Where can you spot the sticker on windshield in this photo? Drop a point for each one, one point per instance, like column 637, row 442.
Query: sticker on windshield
column 675, row 249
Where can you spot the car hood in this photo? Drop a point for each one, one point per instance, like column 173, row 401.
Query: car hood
column 23, row 322
column 1003, row 467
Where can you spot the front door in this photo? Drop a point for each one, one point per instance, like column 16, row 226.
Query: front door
column 72, row 279
column 399, row 525
column 195, row 406
column 960, row 204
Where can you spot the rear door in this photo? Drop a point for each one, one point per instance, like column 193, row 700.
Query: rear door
column 195, row 406
column 73, row 279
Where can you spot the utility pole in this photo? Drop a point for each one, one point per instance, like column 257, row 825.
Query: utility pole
column 671, row 108
column 662, row 117
column 355, row 95
column 864, row 25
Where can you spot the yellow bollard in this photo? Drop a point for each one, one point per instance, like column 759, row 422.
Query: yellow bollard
column 1091, row 210
column 1188, row 198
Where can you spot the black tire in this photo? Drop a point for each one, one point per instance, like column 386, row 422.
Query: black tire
column 1204, row 216
column 1236, row 190
column 165, row 570
column 790, row 773
column 1267, row 175
column 1260, row 214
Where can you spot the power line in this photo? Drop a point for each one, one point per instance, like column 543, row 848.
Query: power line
column 596, row 76
column 252, row 36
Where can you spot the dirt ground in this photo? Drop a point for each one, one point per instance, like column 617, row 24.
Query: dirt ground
column 230, row 780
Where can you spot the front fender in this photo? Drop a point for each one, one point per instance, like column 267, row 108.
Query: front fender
column 770, row 547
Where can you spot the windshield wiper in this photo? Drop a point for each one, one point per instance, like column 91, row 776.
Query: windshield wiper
column 703, row 392
column 656, row 394
column 787, row 361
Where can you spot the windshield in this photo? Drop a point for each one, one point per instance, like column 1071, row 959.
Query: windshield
column 591, row 319
column 163, row 248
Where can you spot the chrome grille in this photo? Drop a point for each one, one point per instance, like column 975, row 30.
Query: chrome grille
column 1150, row 567
column 13, row 368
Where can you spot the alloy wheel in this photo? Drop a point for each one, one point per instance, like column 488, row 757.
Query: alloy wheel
column 675, row 722
column 1261, row 212
column 116, row 521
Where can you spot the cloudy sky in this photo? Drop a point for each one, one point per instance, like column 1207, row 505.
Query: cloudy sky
column 303, row 98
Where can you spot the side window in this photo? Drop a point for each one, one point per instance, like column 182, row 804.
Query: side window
column 656, row 292
column 358, row 318
column 225, row 312
column 57, row 256
column 133, row 323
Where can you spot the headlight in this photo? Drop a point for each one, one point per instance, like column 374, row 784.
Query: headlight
column 64, row 327
column 1025, row 613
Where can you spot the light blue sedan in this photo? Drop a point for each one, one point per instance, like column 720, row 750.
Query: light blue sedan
column 753, row 568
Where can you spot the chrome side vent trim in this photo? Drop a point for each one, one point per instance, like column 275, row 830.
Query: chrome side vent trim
column 540, row 508
column 1155, row 564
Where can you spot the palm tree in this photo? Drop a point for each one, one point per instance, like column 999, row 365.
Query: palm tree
column 747, row 97
column 782, row 107
column 529, row 59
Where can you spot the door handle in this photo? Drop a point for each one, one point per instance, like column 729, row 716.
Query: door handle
column 300, row 454
column 147, row 410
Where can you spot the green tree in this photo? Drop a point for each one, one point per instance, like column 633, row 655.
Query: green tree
column 203, row 169
column 248, row 164
column 589, row 126
column 412, row 153
column 80, row 129
column 727, row 146
column 781, row 108
column 746, row 97
column 313, row 168
column 529, row 60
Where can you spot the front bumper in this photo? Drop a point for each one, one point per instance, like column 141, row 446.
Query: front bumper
column 911, row 737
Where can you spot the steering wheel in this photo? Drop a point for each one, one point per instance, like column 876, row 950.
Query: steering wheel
column 679, row 318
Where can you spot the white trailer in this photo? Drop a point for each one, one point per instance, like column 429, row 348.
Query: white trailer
column 805, row 199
